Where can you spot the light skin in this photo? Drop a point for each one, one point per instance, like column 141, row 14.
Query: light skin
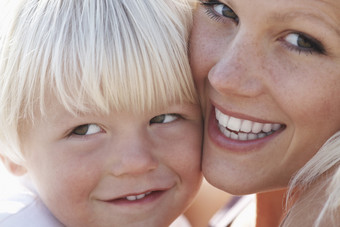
column 86, row 167
column 273, row 64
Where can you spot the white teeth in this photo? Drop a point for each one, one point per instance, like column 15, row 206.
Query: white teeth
column 246, row 126
column 242, row 136
column 267, row 128
column 133, row 197
column 276, row 127
column 261, row 135
column 140, row 196
column 234, row 136
column 252, row 136
column 223, row 118
column 257, row 127
column 239, row 129
column 234, row 124
column 224, row 131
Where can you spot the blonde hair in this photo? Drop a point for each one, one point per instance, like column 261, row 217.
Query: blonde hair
column 93, row 55
column 318, row 179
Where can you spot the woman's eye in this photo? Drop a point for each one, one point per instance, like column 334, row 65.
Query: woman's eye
column 164, row 118
column 304, row 43
column 218, row 10
column 225, row 11
column 86, row 129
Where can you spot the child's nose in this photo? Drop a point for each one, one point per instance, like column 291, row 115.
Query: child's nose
column 133, row 156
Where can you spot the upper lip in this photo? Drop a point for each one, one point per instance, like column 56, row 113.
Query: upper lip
column 239, row 124
column 243, row 116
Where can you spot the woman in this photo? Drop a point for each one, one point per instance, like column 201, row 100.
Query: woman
column 269, row 77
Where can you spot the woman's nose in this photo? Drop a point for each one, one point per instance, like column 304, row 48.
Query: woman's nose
column 239, row 70
column 133, row 156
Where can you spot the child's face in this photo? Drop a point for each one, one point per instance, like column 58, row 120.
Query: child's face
column 119, row 169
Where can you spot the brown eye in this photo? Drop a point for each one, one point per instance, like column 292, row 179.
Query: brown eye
column 299, row 40
column 225, row 11
column 303, row 42
column 86, row 129
column 164, row 118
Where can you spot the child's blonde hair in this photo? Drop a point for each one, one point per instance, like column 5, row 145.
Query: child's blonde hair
column 93, row 55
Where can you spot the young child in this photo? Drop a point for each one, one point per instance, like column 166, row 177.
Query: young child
column 98, row 112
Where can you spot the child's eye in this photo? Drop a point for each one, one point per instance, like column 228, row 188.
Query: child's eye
column 164, row 118
column 301, row 42
column 86, row 129
column 216, row 9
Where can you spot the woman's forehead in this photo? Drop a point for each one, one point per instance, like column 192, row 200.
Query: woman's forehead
column 323, row 13
column 331, row 8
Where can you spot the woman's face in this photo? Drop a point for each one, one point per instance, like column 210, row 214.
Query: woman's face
column 269, row 77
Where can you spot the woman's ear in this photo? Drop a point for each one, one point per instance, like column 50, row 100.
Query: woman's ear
column 13, row 167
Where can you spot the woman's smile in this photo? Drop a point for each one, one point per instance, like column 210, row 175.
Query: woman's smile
column 242, row 129
column 268, row 81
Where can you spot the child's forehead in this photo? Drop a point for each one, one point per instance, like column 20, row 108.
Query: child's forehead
column 56, row 112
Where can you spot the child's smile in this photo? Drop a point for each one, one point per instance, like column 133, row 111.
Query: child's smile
column 117, row 167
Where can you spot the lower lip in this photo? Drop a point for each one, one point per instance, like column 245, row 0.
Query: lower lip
column 151, row 198
column 218, row 138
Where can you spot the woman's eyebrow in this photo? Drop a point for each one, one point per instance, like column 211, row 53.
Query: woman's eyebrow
column 286, row 17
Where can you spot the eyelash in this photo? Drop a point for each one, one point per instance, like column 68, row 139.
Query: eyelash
column 209, row 11
column 316, row 46
column 73, row 132
column 173, row 115
column 209, row 2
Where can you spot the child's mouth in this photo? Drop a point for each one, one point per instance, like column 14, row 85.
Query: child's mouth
column 136, row 197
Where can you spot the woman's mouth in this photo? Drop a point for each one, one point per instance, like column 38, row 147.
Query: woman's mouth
column 244, row 130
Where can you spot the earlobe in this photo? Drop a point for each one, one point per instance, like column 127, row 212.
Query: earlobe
column 13, row 167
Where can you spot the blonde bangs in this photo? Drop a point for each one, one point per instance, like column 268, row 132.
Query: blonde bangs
column 142, row 66
column 92, row 55
column 98, row 57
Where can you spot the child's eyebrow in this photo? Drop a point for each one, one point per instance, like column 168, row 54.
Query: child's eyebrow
column 60, row 117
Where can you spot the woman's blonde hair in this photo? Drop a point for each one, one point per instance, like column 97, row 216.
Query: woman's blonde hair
column 318, row 180
column 93, row 55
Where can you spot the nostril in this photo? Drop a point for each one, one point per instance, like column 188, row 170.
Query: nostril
column 235, row 79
